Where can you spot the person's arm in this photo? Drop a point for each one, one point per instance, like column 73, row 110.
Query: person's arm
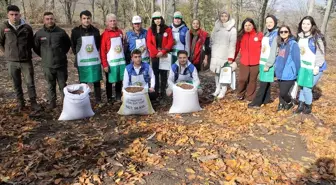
column 196, row 81
column 295, row 53
column 187, row 42
column 320, row 50
column 170, row 43
column 171, row 79
column 30, row 39
column 273, row 53
column 152, row 76
column 127, row 51
column 37, row 44
column 207, row 48
column 126, row 79
column 103, row 50
column 74, row 41
column 150, row 45
column 2, row 39
column 234, row 46
column 66, row 42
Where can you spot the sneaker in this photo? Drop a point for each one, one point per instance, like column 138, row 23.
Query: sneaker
column 253, row 106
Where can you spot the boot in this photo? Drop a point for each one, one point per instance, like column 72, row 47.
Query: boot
column 281, row 106
column 19, row 106
column 34, row 105
column 51, row 105
column 253, row 106
column 289, row 105
column 300, row 108
column 97, row 93
column 307, row 109
column 216, row 93
column 222, row 92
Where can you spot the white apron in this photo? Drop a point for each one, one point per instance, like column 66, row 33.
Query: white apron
column 116, row 60
column 306, row 74
column 141, row 45
column 267, row 76
column 178, row 44
column 88, row 61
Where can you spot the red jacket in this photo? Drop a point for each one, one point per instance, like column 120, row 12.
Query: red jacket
column 199, row 45
column 250, row 48
column 167, row 42
column 105, row 43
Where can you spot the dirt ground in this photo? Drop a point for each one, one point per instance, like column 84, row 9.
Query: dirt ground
column 225, row 143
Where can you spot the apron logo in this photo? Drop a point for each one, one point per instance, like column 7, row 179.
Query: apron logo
column 142, row 49
column 264, row 48
column 302, row 50
column 225, row 70
column 118, row 49
column 138, row 84
column 175, row 41
column 89, row 48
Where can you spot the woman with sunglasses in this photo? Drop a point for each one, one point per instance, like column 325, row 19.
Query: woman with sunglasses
column 267, row 59
column 312, row 45
column 159, row 41
column 249, row 46
column 287, row 65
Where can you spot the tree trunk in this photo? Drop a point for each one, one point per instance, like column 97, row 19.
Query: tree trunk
column 162, row 8
column 52, row 5
column 195, row 9
column 311, row 7
column 116, row 4
column 24, row 9
column 45, row 4
column 262, row 15
column 93, row 9
column 135, row 7
column 152, row 6
column 326, row 16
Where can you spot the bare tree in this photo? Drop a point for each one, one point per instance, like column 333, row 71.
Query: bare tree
column 311, row 7
column 326, row 16
column 52, row 5
column 24, row 9
column 93, row 8
column 69, row 7
column 135, row 7
column 116, row 5
column 152, row 6
column 195, row 8
column 103, row 5
column 262, row 15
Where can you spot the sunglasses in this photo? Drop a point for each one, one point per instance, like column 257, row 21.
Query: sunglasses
column 282, row 32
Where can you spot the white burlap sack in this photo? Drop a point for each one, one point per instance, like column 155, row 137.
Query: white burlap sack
column 136, row 103
column 76, row 106
column 185, row 100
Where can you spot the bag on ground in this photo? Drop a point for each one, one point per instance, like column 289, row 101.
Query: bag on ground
column 136, row 102
column 76, row 103
column 294, row 90
column 185, row 100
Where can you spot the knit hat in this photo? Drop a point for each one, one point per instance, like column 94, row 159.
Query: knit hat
column 274, row 19
column 136, row 19
column 156, row 15
column 178, row 15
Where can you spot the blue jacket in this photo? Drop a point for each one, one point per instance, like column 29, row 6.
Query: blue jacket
column 287, row 63
column 144, row 70
column 183, row 33
column 188, row 71
column 132, row 37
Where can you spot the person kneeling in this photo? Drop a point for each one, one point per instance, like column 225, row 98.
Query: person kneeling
column 139, row 73
column 183, row 71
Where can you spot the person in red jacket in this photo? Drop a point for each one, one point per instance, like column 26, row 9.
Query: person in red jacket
column 159, row 42
column 249, row 46
column 112, row 56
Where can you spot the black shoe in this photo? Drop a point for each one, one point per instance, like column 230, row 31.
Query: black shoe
column 110, row 100
column 289, row 105
column 51, row 105
column 35, row 106
column 307, row 109
column 253, row 106
column 118, row 97
column 300, row 108
column 19, row 106
column 240, row 98
column 281, row 106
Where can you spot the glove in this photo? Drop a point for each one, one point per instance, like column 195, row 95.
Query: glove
column 266, row 68
column 316, row 70
column 233, row 66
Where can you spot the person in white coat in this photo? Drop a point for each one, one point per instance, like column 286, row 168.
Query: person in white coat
column 223, row 45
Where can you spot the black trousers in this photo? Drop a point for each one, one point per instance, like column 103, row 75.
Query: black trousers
column 160, row 85
column 108, row 85
column 263, row 95
column 285, row 86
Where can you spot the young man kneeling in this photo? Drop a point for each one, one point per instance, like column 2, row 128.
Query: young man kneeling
column 183, row 71
column 139, row 73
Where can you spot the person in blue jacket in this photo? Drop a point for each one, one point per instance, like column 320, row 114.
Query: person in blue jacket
column 181, row 35
column 312, row 45
column 287, row 65
column 136, row 39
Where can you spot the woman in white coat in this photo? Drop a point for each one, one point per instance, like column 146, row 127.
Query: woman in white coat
column 223, row 45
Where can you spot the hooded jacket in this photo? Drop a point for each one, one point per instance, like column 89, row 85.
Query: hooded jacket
column 249, row 47
column 16, row 43
column 223, row 43
column 184, row 35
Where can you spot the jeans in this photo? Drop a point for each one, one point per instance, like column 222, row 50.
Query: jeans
column 306, row 93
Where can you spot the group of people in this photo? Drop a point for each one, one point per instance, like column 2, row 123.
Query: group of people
column 137, row 57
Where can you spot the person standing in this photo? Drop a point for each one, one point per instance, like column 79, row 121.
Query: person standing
column 223, row 43
column 181, row 35
column 199, row 45
column 85, row 44
column 287, row 66
column 52, row 44
column 136, row 39
column 267, row 59
column 312, row 45
column 112, row 56
column 249, row 47
column 159, row 42
column 16, row 42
